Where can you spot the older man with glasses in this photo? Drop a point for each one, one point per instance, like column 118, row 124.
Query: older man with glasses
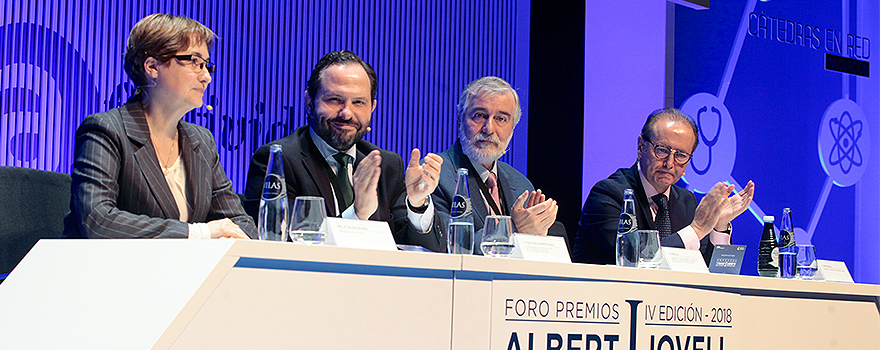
column 668, row 139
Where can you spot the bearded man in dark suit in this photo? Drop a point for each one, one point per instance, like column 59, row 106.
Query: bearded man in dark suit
column 328, row 158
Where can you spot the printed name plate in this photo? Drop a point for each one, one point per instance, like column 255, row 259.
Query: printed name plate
column 364, row 234
column 833, row 271
column 540, row 248
column 677, row 259
column 727, row 259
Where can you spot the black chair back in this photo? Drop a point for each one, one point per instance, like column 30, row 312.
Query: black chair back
column 32, row 206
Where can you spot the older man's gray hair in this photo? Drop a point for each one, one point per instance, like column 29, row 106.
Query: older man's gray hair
column 490, row 86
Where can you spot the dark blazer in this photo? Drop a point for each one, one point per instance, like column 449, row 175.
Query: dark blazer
column 118, row 189
column 307, row 173
column 511, row 182
column 597, row 229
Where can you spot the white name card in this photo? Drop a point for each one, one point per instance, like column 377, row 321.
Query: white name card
column 834, row 271
column 540, row 248
column 677, row 259
column 365, row 234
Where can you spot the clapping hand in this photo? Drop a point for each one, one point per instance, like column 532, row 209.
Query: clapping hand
column 534, row 213
column 737, row 204
column 422, row 179
column 365, row 181
column 710, row 209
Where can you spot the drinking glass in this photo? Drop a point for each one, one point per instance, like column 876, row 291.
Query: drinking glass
column 496, row 236
column 628, row 249
column 307, row 222
column 649, row 249
column 806, row 261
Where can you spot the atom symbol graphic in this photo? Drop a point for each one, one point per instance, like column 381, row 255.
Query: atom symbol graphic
column 845, row 150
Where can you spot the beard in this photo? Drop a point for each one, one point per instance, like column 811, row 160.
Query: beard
column 338, row 140
column 484, row 155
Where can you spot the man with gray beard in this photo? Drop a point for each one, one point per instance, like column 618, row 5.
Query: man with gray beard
column 487, row 112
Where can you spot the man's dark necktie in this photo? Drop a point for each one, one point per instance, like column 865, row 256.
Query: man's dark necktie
column 342, row 181
column 661, row 222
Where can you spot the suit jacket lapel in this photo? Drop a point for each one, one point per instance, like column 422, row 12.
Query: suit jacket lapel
column 478, row 204
column 197, row 170
column 642, row 206
column 509, row 193
column 318, row 169
column 677, row 212
column 138, row 132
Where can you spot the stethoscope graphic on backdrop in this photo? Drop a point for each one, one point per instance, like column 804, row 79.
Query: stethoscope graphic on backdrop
column 713, row 158
column 709, row 143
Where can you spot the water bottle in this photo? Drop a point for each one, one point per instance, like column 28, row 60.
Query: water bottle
column 787, row 247
column 627, row 238
column 768, row 250
column 460, row 239
column 272, row 222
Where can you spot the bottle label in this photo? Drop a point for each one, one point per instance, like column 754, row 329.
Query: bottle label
column 274, row 187
column 627, row 223
column 786, row 239
column 461, row 206
column 774, row 258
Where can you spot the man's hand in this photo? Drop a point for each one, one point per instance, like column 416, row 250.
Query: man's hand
column 225, row 228
column 737, row 205
column 365, row 181
column 709, row 209
column 422, row 179
column 534, row 213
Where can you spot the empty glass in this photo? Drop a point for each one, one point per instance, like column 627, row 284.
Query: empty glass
column 806, row 261
column 496, row 236
column 649, row 249
column 307, row 222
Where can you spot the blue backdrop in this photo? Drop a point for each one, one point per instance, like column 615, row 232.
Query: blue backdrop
column 753, row 75
column 61, row 61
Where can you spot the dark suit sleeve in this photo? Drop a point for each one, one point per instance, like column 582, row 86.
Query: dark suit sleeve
column 224, row 202
column 255, row 178
column 406, row 232
column 682, row 214
column 674, row 240
column 96, row 185
column 442, row 198
column 442, row 195
column 597, row 229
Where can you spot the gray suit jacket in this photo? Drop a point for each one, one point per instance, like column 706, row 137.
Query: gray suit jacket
column 118, row 189
column 511, row 182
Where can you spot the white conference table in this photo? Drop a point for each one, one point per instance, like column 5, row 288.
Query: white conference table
column 227, row 294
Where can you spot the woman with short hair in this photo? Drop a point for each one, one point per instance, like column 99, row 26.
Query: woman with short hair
column 139, row 170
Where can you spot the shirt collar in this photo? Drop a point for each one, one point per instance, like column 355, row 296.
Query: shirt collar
column 328, row 151
column 482, row 171
column 650, row 191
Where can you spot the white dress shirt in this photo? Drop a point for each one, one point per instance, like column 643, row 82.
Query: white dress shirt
column 422, row 222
